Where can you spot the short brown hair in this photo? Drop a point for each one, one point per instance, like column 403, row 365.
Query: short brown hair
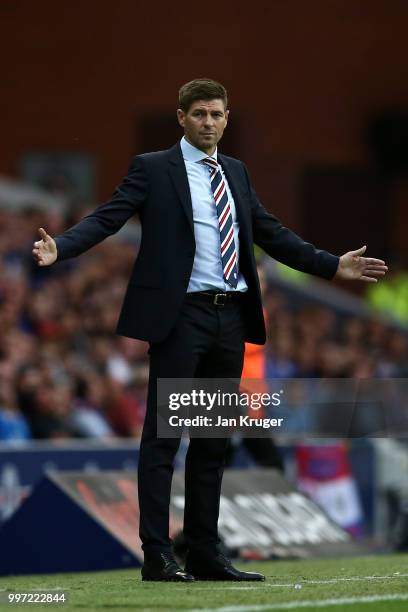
column 201, row 89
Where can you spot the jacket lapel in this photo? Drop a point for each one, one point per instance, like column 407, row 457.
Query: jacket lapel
column 178, row 174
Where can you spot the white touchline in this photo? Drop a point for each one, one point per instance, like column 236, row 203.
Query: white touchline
column 312, row 603
column 291, row 585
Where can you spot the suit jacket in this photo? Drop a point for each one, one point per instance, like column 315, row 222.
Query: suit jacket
column 156, row 189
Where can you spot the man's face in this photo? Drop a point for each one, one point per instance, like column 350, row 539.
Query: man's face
column 204, row 123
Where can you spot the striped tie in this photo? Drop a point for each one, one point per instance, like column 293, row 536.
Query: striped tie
column 227, row 242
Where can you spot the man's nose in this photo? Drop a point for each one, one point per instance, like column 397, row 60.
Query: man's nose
column 209, row 119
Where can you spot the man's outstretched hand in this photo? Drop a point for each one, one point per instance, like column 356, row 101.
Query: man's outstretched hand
column 45, row 250
column 352, row 266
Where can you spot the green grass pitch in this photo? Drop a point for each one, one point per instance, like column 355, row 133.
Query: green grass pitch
column 369, row 584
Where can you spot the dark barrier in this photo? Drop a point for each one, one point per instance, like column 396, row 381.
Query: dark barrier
column 73, row 522
column 22, row 467
column 262, row 513
column 79, row 522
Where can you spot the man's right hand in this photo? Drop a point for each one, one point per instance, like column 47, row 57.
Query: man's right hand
column 45, row 250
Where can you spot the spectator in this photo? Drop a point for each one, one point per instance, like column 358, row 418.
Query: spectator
column 13, row 425
column 86, row 418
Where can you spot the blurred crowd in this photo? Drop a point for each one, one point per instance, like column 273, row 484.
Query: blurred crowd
column 64, row 373
column 313, row 341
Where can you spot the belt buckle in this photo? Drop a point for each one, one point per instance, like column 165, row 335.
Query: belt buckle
column 220, row 295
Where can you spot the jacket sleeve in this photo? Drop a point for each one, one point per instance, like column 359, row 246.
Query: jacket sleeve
column 284, row 245
column 127, row 200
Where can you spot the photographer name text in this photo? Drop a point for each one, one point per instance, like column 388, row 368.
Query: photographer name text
column 241, row 421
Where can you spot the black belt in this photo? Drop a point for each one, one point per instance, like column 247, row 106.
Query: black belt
column 219, row 298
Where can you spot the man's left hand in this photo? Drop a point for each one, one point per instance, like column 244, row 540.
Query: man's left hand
column 352, row 266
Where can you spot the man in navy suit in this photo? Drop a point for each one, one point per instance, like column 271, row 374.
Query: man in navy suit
column 194, row 296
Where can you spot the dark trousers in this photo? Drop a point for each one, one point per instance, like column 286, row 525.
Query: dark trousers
column 207, row 342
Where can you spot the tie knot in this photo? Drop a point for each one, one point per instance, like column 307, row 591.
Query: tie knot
column 211, row 163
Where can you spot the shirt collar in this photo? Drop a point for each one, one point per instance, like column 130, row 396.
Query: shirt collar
column 192, row 154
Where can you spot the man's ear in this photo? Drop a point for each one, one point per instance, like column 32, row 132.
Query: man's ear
column 226, row 116
column 181, row 117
